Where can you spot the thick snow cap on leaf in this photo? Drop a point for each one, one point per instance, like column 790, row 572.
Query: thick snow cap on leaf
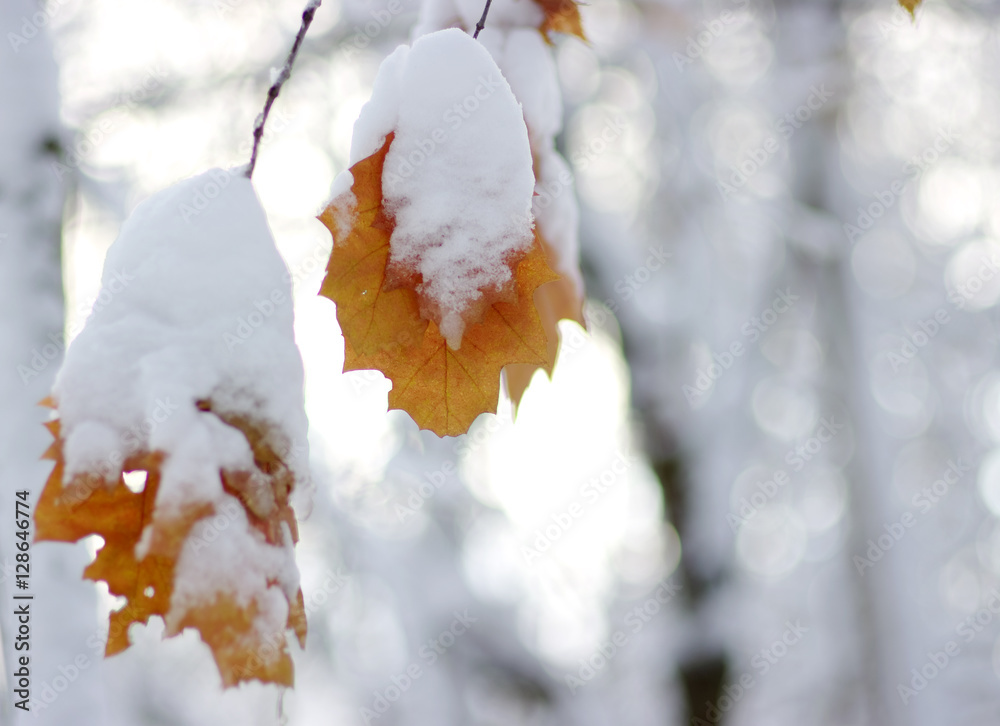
column 457, row 179
column 188, row 364
column 526, row 61
column 195, row 305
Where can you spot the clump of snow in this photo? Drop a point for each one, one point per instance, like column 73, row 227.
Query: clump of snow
column 227, row 553
column 526, row 62
column 458, row 177
column 558, row 216
column 195, row 306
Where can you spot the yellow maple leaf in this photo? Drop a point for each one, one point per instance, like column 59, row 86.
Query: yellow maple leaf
column 911, row 6
column 88, row 504
column 444, row 390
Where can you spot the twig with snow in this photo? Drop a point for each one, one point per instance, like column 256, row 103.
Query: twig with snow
column 277, row 83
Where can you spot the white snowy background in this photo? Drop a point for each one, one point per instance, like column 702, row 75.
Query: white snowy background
column 822, row 104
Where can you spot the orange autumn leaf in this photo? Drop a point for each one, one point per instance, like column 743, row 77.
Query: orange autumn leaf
column 561, row 16
column 227, row 626
column 555, row 301
column 88, row 504
column 372, row 317
column 444, row 390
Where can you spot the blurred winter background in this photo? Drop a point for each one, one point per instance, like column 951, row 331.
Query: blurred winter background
column 763, row 488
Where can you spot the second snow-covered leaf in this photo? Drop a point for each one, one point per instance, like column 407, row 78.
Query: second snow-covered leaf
column 189, row 373
column 435, row 261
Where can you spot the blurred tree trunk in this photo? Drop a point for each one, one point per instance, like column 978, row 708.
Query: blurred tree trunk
column 64, row 664
column 730, row 251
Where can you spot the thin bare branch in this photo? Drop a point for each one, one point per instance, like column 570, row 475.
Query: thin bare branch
column 272, row 93
column 482, row 21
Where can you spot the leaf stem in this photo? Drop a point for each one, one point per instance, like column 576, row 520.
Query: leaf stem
column 482, row 21
column 275, row 89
